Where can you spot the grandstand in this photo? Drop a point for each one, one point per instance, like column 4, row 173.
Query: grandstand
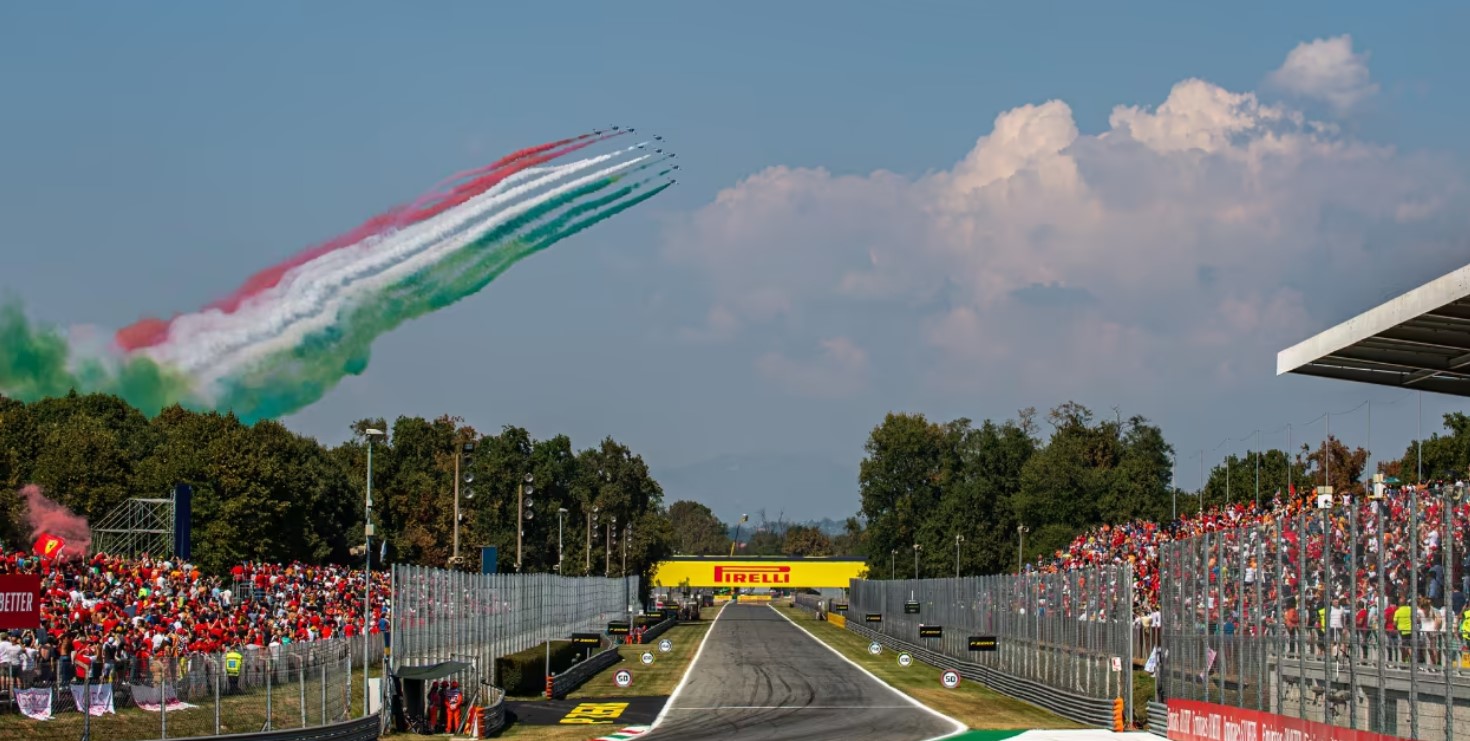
column 1420, row 340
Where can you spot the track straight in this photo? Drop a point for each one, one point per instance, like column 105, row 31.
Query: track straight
column 757, row 675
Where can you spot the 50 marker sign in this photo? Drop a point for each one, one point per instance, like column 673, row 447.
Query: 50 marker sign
column 949, row 678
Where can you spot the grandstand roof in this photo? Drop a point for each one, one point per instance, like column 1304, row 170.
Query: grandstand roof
column 1420, row 340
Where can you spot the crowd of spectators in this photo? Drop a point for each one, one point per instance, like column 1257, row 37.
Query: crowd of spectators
column 111, row 618
column 1315, row 570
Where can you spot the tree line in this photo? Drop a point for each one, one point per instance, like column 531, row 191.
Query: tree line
column 1014, row 493
column 265, row 493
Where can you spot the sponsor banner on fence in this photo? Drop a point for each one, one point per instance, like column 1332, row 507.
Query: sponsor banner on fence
column 1190, row 720
column 837, row 620
column 34, row 704
column 20, row 601
column 148, row 698
column 101, row 698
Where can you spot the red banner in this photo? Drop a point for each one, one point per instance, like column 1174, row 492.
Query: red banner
column 20, row 601
column 1190, row 720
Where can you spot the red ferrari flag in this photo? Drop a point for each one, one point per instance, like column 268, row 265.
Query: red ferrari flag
column 47, row 546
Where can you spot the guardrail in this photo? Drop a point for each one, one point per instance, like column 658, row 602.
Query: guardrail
column 362, row 729
column 654, row 631
column 1158, row 719
column 493, row 716
column 562, row 684
column 1093, row 711
column 808, row 602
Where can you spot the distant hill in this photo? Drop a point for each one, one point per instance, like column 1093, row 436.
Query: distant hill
column 806, row 488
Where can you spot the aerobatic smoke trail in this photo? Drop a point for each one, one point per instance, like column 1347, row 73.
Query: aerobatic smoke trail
column 292, row 331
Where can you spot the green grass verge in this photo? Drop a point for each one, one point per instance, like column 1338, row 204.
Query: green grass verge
column 654, row 680
column 971, row 703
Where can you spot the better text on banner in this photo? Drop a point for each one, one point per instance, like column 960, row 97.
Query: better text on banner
column 20, row 601
column 1191, row 720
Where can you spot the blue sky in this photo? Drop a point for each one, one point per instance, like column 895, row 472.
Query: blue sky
column 783, row 296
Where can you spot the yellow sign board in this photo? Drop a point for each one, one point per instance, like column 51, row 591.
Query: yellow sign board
column 800, row 573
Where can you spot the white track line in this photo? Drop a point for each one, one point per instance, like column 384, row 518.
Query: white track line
column 958, row 726
column 688, row 670
column 802, row 707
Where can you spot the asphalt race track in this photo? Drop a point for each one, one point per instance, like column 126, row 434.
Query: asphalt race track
column 760, row 677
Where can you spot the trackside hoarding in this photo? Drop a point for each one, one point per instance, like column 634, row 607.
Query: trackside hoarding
column 1190, row 720
column 20, row 601
column 759, row 574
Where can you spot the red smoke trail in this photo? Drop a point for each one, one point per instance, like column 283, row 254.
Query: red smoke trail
column 46, row 516
column 153, row 331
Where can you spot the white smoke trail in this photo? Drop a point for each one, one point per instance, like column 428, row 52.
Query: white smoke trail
column 315, row 310
column 200, row 340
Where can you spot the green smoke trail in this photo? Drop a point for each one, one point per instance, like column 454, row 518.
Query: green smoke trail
column 37, row 362
column 299, row 376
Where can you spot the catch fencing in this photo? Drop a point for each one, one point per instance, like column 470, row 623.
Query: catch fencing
column 281, row 687
column 1063, row 639
column 1352, row 615
column 441, row 615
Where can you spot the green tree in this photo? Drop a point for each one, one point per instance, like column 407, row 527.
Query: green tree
column 1278, row 472
column 696, row 530
column 852, row 541
column 1441, row 457
column 902, row 479
column 977, row 502
column 805, row 540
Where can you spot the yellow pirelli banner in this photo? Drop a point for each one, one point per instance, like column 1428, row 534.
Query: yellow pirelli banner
column 837, row 620
column 759, row 573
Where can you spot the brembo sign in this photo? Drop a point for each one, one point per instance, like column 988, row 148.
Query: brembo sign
column 757, row 573
column 752, row 575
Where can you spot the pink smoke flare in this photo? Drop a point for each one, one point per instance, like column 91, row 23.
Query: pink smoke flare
column 46, row 516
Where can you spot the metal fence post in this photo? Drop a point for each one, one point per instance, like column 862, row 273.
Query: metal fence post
column 216, row 696
column 1451, row 625
column 1416, row 637
column 301, row 683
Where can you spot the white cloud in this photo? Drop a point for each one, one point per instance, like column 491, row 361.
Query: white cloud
column 841, row 369
column 1189, row 240
column 1327, row 70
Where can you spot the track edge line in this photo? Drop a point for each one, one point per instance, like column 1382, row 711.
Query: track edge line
column 959, row 727
column 689, row 670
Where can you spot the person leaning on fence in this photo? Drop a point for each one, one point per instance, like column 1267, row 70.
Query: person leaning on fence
column 233, row 661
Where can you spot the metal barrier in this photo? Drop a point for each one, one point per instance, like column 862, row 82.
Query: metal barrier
column 362, row 729
column 296, row 686
column 656, row 630
column 579, row 673
column 809, row 602
column 1342, row 615
column 493, row 716
column 1158, row 718
column 1063, row 639
column 441, row 615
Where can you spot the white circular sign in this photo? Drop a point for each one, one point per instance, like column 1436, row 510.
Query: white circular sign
column 950, row 679
column 875, row 648
column 647, row 657
column 904, row 660
column 666, row 645
column 623, row 678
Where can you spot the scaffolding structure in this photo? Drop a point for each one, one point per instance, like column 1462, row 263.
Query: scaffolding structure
column 136, row 527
